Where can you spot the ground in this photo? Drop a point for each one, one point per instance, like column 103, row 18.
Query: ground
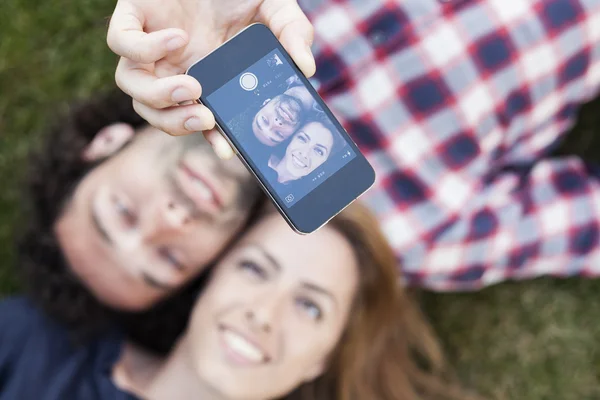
column 531, row 340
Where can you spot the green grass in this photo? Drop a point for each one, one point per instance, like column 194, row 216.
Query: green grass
column 532, row 340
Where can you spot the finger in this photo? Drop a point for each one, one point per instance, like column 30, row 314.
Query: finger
column 126, row 36
column 178, row 120
column 293, row 29
column 219, row 144
column 143, row 86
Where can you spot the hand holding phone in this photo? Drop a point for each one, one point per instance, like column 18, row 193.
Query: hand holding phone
column 281, row 129
column 157, row 41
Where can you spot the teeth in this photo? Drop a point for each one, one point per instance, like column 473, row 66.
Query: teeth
column 298, row 162
column 243, row 347
column 203, row 190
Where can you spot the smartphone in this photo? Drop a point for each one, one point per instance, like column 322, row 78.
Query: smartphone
column 281, row 129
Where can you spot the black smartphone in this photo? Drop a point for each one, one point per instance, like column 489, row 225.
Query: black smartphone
column 281, row 129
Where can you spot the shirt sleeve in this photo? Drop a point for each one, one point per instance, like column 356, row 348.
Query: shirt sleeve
column 530, row 220
column 458, row 114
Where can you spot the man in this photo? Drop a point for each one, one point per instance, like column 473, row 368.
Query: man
column 458, row 105
column 274, row 119
column 277, row 119
column 124, row 216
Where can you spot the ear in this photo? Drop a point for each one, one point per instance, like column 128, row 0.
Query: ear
column 265, row 102
column 314, row 372
column 108, row 141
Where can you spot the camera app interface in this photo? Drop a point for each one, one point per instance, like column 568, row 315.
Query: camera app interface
column 283, row 131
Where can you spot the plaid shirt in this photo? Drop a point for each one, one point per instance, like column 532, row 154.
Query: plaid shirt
column 458, row 104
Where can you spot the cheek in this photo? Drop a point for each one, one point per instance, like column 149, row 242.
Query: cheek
column 142, row 180
column 224, row 294
column 306, row 342
column 269, row 112
column 287, row 130
column 203, row 244
column 316, row 160
column 295, row 145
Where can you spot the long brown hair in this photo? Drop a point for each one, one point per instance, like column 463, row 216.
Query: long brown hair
column 388, row 350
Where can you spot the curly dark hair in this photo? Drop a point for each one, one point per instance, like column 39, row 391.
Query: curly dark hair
column 55, row 170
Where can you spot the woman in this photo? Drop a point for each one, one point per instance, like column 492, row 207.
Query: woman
column 283, row 316
column 309, row 148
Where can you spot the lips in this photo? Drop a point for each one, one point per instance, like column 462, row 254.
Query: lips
column 240, row 349
column 172, row 257
column 202, row 189
column 287, row 113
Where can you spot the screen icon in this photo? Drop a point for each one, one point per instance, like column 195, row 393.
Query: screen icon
column 248, row 81
column 289, row 198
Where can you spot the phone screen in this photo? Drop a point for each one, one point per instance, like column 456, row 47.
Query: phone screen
column 281, row 128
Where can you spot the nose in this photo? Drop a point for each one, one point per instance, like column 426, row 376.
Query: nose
column 302, row 152
column 262, row 315
column 168, row 217
column 175, row 214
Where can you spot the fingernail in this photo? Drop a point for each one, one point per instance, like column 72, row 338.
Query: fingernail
column 175, row 43
column 309, row 50
column 194, row 124
column 181, row 94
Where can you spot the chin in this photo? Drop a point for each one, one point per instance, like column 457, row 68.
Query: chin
column 122, row 302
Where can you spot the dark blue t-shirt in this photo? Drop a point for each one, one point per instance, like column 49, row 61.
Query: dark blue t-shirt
column 38, row 361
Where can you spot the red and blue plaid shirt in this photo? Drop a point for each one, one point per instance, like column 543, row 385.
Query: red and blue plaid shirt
column 458, row 105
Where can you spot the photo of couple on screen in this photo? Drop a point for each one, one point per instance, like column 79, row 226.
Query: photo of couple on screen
column 284, row 130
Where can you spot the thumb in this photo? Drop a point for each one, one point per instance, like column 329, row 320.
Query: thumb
column 126, row 36
column 219, row 144
column 293, row 29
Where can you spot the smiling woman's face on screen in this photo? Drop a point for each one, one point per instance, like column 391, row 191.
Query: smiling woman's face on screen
column 309, row 148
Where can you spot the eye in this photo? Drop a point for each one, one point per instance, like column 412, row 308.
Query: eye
column 310, row 308
column 128, row 217
column 253, row 269
column 302, row 138
column 168, row 256
column 319, row 151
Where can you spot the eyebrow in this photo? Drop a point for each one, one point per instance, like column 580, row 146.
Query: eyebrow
column 314, row 288
column 150, row 281
column 268, row 256
column 307, row 285
column 100, row 228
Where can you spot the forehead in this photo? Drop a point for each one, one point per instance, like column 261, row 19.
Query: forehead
column 323, row 257
column 189, row 147
column 318, row 130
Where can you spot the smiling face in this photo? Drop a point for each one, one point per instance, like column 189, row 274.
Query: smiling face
column 150, row 218
column 277, row 120
column 273, row 311
column 310, row 148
